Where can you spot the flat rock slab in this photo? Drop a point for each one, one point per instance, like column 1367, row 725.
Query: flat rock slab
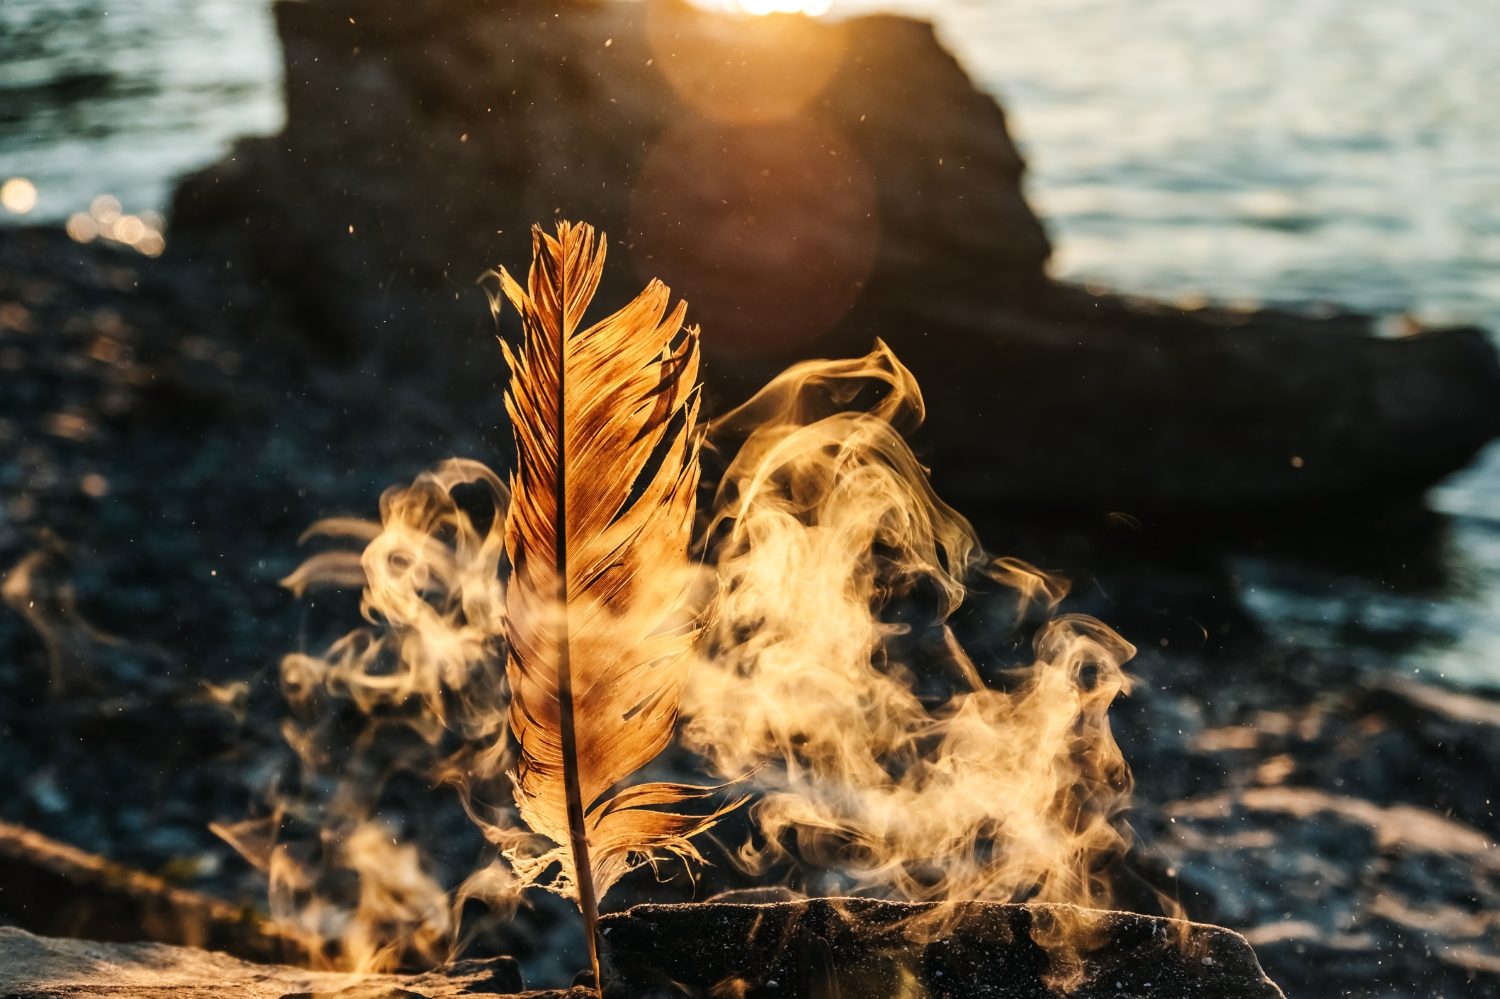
column 33, row 967
column 860, row 948
column 872, row 950
column 56, row 889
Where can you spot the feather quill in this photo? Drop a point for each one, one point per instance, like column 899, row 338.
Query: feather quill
column 597, row 536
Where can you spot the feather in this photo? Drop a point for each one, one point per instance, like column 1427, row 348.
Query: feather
column 597, row 536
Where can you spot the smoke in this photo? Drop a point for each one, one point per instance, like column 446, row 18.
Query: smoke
column 881, row 760
column 825, row 521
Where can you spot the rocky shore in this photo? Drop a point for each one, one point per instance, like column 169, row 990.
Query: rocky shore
column 313, row 334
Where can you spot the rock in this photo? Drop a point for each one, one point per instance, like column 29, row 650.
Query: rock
column 807, row 186
column 874, row 949
column 1094, row 403
column 1356, row 844
column 857, row 947
column 405, row 171
column 1388, row 900
column 33, row 967
column 51, row 887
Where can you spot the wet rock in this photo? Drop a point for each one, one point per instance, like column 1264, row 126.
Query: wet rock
column 807, row 186
column 1344, row 897
column 875, row 949
column 1099, row 403
column 1437, row 747
column 1354, row 843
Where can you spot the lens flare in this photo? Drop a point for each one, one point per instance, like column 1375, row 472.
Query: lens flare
column 757, row 8
column 18, row 195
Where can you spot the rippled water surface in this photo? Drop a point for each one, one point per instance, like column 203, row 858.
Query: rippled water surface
column 119, row 98
column 1299, row 151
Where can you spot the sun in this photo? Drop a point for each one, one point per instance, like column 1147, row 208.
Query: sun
column 812, row 8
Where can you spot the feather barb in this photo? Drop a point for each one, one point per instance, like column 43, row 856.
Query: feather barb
column 601, row 625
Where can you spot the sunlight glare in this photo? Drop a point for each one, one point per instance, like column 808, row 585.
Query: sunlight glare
column 18, row 195
column 812, row 8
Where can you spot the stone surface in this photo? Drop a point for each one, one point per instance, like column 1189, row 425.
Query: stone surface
column 822, row 947
column 874, row 950
column 815, row 159
column 53, row 888
column 1355, row 841
column 1097, row 403
column 33, row 967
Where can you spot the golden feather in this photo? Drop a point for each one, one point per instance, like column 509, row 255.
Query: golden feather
column 601, row 516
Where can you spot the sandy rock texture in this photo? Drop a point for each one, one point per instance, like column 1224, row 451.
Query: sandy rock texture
column 875, row 949
column 33, row 967
column 856, row 947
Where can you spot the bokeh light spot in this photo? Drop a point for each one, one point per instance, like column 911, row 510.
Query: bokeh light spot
column 18, row 195
column 105, row 209
column 82, row 228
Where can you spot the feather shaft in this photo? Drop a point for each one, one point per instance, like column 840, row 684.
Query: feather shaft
column 600, row 623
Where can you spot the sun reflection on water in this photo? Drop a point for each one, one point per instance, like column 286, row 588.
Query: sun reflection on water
column 106, row 220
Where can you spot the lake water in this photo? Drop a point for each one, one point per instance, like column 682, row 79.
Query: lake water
column 1296, row 151
column 120, row 98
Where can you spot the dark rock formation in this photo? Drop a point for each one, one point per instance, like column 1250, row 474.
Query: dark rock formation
column 1092, row 403
column 807, row 187
column 872, row 949
column 813, row 167
column 821, row 947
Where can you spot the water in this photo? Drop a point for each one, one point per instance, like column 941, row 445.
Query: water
column 1296, row 151
column 1427, row 607
column 1300, row 150
column 121, row 98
